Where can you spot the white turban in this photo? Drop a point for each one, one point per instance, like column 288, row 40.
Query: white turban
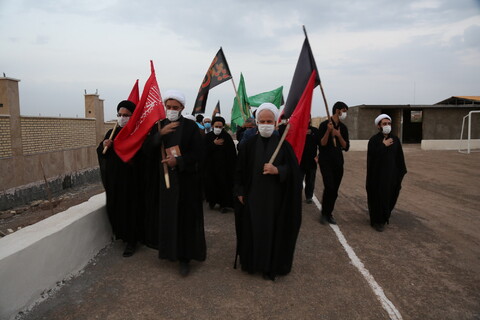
column 175, row 95
column 190, row 116
column 268, row 106
column 380, row 117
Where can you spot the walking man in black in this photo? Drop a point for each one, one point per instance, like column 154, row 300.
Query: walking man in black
column 333, row 140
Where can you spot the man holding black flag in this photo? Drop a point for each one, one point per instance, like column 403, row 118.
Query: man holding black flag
column 333, row 141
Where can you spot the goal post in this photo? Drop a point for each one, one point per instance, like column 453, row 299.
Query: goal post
column 469, row 133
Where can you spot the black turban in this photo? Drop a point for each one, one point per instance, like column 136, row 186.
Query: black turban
column 215, row 119
column 129, row 105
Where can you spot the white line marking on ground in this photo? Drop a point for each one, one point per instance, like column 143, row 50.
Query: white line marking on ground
column 386, row 303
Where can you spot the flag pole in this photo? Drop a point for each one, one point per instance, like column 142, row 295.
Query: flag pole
column 323, row 93
column 284, row 135
column 238, row 99
column 165, row 166
column 110, row 138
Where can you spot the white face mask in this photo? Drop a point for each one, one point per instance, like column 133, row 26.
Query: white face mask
column 173, row 115
column 122, row 121
column 217, row 131
column 266, row 130
column 386, row 129
column 343, row 116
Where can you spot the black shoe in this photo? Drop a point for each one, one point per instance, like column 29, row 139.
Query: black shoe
column 223, row 210
column 269, row 276
column 184, row 269
column 331, row 220
column 379, row 227
column 211, row 205
column 309, row 201
column 323, row 219
column 129, row 250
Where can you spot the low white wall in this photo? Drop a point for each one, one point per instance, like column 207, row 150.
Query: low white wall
column 35, row 258
column 449, row 144
column 358, row 145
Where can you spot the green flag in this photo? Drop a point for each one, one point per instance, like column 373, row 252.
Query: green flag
column 274, row 96
column 240, row 112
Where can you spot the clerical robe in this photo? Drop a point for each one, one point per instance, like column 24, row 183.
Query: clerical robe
column 268, row 223
column 385, row 171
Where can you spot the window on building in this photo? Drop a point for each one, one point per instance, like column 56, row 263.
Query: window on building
column 416, row 116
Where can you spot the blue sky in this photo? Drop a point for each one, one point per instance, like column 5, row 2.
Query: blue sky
column 367, row 52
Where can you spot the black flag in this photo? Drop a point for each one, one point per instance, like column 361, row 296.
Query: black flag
column 216, row 110
column 305, row 66
column 217, row 73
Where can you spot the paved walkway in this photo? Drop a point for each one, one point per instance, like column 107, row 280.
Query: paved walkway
column 426, row 264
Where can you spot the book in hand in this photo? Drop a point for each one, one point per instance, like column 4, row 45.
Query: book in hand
column 173, row 151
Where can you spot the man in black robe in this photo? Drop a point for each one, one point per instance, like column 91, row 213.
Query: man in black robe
column 308, row 164
column 220, row 166
column 268, row 215
column 385, row 171
column 122, row 186
column 333, row 141
column 181, row 229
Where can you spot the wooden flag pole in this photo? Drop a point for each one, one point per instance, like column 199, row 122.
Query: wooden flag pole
column 323, row 94
column 165, row 166
column 284, row 135
column 110, row 138
column 238, row 99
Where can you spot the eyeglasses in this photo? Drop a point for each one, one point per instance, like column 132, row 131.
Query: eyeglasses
column 124, row 115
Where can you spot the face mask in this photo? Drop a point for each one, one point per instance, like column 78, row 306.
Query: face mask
column 122, row 121
column 217, row 131
column 386, row 129
column 173, row 115
column 266, row 130
column 207, row 125
column 343, row 116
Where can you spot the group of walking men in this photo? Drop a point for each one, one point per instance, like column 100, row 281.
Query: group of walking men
column 157, row 197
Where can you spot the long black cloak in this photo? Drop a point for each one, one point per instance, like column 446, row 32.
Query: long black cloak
column 179, row 209
column 385, row 171
column 220, row 168
column 267, row 225
column 123, row 191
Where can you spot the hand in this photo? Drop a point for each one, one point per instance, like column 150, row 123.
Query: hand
column 269, row 168
column 240, row 198
column 336, row 133
column 218, row 142
column 169, row 128
column 107, row 143
column 171, row 161
column 329, row 126
column 388, row 142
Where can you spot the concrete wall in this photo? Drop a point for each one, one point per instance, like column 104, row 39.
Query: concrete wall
column 360, row 123
column 446, row 123
column 34, row 259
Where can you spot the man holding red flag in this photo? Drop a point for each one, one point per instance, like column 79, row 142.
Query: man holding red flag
column 121, row 181
column 178, row 144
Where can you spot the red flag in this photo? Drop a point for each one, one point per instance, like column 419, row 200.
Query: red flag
column 149, row 110
column 134, row 95
column 301, row 116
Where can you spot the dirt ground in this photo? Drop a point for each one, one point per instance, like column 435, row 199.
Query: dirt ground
column 17, row 218
column 426, row 262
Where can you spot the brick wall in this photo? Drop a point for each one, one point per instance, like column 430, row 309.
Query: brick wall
column 41, row 135
column 5, row 138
